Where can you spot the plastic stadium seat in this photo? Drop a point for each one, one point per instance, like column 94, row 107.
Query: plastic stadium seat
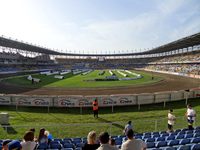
column 173, row 133
column 57, row 140
column 138, row 134
column 150, row 140
column 178, row 130
column 55, row 146
column 197, row 135
column 150, row 145
column 161, row 144
column 189, row 132
column 67, row 149
column 160, row 139
column 170, row 148
column 184, row 147
column 195, row 140
column 195, row 147
column 197, row 128
column 186, row 129
column 42, row 146
column 146, row 136
column 184, row 141
column 156, row 135
column 68, row 145
column 118, row 142
column 197, row 131
column 180, row 136
column 173, row 142
column 171, row 137
column 138, row 137
column 188, row 136
column 80, row 145
column 147, row 133
column 161, row 132
column 164, row 134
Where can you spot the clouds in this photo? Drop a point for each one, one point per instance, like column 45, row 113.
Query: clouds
column 100, row 26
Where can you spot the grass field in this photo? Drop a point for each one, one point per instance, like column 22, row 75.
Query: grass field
column 68, row 122
column 77, row 81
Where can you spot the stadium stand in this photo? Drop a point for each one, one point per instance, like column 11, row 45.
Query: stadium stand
column 181, row 139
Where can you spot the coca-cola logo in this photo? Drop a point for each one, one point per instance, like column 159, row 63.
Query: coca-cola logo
column 40, row 102
column 85, row 102
column 4, row 101
column 125, row 101
column 109, row 102
column 23, row 101
column 65, row 102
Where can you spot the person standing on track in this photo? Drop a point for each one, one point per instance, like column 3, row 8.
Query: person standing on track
column 95, row 108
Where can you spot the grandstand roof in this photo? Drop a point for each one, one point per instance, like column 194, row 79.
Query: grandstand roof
column 178, row 44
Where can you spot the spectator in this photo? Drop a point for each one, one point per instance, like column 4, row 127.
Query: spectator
column 33, row 130
column 91, row 142
column 42, row 137
column 5, row 144
column 28, row 143
column 132, row 143
column 104, row 139
column 171, row 120
column 127, row 127
column 113, row 144
column 49, row 136
column 191, row 115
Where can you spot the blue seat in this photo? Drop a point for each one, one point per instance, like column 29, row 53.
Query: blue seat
column 188, row 136
column 184, row 147
column 80, row 144
column 184, row 141
column 161, row 144
column 146, row 136
column 195, row 140
column 156, row 135
column 150, row 140
column 57, row 140
column 189, row 132
column 195, row 147
column 197, row 128
column 197, row 134
column 68, row 145
column 160, row 139
column 67, row 149
column 170, row 148
column 171, row 137
column 173, row 142
column 138, row 137
column 150, row 145
column 178, row 130
column 118, row 142
column 42, row 146
column 180, row 136
column 55, row 146
column 164, row 134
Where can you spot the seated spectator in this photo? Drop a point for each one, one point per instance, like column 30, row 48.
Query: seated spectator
column 49, row 136
column 33, row 130
column 104, row 139
column 92, row 143
column 28, row 142
column 133, row 143
column 42, row 137
column 5, row 144
column 112, row 143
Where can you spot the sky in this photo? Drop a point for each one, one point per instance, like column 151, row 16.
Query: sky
column 99, row 26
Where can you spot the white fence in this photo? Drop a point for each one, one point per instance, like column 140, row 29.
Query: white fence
column 104, row 100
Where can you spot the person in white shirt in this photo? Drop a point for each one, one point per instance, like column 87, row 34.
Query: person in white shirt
column 171, row 120
column 28, row 143
column 191, row 115
column 127, row 127
column 132, row 143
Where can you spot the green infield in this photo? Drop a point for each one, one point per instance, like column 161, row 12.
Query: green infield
column 68, row 122
column 84, row 81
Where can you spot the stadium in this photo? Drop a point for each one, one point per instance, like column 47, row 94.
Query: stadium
column 52, row 95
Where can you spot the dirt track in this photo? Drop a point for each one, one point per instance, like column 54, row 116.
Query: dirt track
column 170, row 83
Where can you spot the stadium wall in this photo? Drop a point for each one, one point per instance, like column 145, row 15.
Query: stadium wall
column 104, row 100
